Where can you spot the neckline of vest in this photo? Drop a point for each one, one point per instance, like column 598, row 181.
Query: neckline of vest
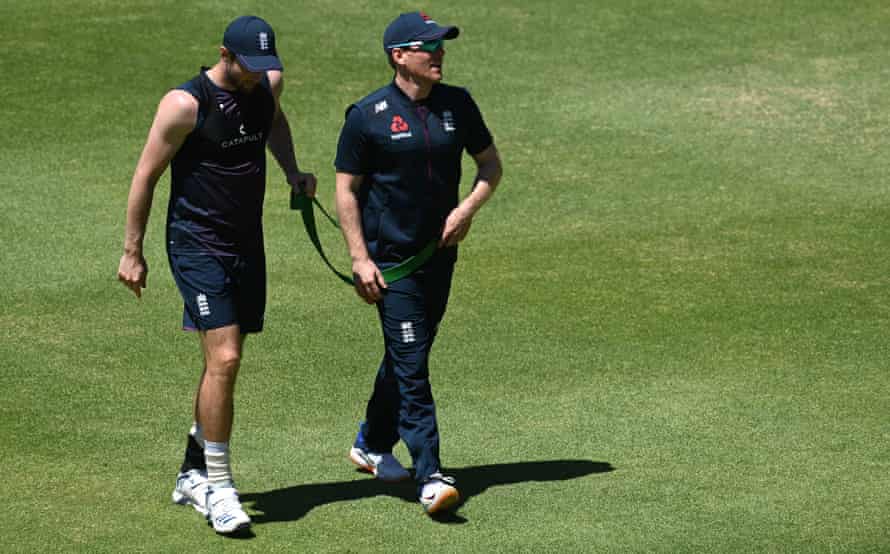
column 209, row 81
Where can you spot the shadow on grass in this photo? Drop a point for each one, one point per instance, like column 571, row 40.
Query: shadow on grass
column 292, row 503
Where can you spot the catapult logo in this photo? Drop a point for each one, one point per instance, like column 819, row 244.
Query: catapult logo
column 243, row 139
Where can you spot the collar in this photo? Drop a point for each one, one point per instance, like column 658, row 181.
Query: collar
column 399, row 95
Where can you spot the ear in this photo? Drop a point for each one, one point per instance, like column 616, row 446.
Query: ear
column 398, row 56
column 225, row 54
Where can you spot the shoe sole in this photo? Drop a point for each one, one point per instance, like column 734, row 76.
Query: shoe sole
column 356, row 457
column 241, row 528
column 183, row 500
column 443, row 501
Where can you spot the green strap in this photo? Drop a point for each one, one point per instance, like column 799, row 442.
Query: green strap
column 299, row 201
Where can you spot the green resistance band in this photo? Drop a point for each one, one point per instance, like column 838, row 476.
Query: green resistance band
column 299, row 201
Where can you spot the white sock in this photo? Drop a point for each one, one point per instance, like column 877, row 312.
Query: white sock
column 219, row 473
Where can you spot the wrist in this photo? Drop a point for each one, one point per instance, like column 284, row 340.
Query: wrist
column 467, row 209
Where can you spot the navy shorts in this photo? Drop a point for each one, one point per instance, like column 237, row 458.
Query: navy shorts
column 221, row 290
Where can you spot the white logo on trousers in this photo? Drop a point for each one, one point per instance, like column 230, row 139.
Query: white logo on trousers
column 407, row 332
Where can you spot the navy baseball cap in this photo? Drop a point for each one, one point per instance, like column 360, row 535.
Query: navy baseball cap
column 415, row 27
column 252, row 41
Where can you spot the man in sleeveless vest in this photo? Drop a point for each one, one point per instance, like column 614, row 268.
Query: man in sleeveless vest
column 213, row 131
column 398, row 173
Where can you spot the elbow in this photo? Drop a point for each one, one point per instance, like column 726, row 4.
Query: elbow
column 494, row 173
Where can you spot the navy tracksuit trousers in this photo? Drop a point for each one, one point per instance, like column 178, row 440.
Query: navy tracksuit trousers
column 402, row 405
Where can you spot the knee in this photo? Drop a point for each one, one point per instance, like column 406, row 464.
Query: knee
column 224, row 362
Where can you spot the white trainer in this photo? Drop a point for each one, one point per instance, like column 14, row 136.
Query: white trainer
column 384, row 466
column 224, row 511
column 439, row 494
column 191, row 490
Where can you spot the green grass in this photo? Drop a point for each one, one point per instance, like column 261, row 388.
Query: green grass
column 667, row 331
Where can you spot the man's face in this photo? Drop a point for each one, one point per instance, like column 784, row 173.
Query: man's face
column 239, row 77
column 422, row 64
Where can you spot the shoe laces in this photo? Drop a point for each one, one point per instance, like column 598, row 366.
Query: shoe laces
column 224, row 500
column 446, row 479
column 199, row 491
column 435, row 484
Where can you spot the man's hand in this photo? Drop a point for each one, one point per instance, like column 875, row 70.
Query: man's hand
column 132, row 272
column 368, row 281
column 457, row 225
column 303, row 183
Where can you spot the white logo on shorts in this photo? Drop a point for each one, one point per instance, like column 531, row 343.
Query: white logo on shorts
column 203, row 306
column 407, row 332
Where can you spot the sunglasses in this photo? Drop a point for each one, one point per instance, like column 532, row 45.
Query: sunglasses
column 425, row 45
